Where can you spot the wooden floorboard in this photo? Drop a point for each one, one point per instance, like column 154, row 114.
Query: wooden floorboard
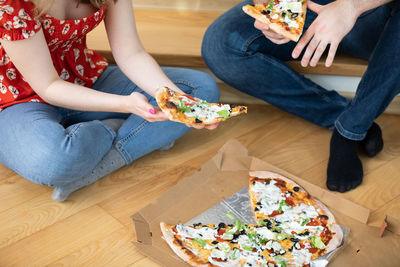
column 94, row 227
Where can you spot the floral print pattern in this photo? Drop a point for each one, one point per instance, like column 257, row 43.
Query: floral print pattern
column 66, row 40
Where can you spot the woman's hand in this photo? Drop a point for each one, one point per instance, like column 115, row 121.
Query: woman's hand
column 138, row 104
column 333, row 23
column 274, row 37
column 199, row 127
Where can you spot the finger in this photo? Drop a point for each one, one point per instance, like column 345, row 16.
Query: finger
column 198, row 126
column 318, row 53
column 314, row 6
column 279, row 41
column 303, row 41
column 260, row 26
column 212, row 126
column 309, row 52
column 331, row 55
column 271, row 34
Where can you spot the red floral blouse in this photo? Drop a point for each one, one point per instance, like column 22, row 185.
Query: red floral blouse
column 66, row 40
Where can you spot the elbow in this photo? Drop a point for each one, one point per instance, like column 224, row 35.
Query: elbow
column 46, row 91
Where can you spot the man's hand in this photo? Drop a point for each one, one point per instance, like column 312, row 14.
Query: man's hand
column 274, row 37
column 333, row 23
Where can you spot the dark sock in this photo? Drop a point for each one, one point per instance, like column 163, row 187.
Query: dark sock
column 373, row 142
column 345, row 171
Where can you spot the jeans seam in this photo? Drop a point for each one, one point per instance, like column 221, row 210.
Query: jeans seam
column 74, row 129
column 249, row 41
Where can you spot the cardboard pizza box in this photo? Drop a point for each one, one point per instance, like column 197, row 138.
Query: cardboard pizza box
column 225, row 174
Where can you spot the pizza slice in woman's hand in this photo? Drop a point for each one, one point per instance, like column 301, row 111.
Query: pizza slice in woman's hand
column 193, row 111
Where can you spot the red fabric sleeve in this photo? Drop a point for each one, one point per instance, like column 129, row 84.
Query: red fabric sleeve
column 17, row 20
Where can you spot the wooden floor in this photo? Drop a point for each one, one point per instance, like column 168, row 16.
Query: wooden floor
column 94, row 228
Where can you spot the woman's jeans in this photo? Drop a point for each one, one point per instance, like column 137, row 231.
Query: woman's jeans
column 56, row 146
column 244, row 58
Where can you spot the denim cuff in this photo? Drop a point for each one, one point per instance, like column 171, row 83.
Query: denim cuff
column 348, row 134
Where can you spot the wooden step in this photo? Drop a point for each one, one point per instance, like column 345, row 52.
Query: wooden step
column 174, row 38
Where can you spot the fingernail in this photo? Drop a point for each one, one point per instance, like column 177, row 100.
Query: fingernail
column 152, row 111
column 216, row 124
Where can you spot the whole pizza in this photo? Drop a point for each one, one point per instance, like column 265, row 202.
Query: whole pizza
column 292, row 230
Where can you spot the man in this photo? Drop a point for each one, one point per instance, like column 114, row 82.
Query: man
column 251, row 58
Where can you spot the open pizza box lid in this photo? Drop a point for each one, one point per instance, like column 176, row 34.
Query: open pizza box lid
column 224, row 175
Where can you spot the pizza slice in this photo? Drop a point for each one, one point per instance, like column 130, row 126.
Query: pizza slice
column 235, row 245
column 285, row 17
column 187, row 109
column 285, row 207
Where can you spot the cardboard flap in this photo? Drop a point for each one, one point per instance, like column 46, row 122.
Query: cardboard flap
column 227, row 155
column 393, row 224
column 142, row 229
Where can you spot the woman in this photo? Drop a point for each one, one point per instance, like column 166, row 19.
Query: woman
column 59, row 100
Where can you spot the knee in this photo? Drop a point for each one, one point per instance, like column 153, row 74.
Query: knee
column 207, row 88
column 54, row 168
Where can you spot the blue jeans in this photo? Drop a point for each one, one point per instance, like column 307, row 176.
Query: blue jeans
column 241, row 56
column 55, row 146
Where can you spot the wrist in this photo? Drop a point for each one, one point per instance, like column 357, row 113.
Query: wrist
column 125, row 104
column 357, row 6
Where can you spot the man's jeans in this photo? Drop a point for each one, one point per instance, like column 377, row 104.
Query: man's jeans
column 241, row 56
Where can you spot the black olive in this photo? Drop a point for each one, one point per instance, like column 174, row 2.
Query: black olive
column 235, row 236
column 283, row 14
column 214, row 242
column 264, row 12
column 201, row 235
column 196, row 224
column 324, row 217
column 256, row 209
column 233, row 106
column 289, row 192
column 221, row 225
column 296, row 189
column 230, row 225
column 170, row 105
column 242, row 232
column 259, row 203
column 192, row 110
column 293, row 239
column 294, row 15
column 306, row 232
column 198, row 121
column 241, row 109
column 254, row 183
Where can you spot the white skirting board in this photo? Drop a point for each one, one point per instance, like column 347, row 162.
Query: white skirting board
column 345, row 85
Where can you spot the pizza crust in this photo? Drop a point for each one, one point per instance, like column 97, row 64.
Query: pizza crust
column 179, row 250
column 253, row 12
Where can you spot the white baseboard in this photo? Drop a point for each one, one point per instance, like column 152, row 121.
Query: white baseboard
column 345, row 85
